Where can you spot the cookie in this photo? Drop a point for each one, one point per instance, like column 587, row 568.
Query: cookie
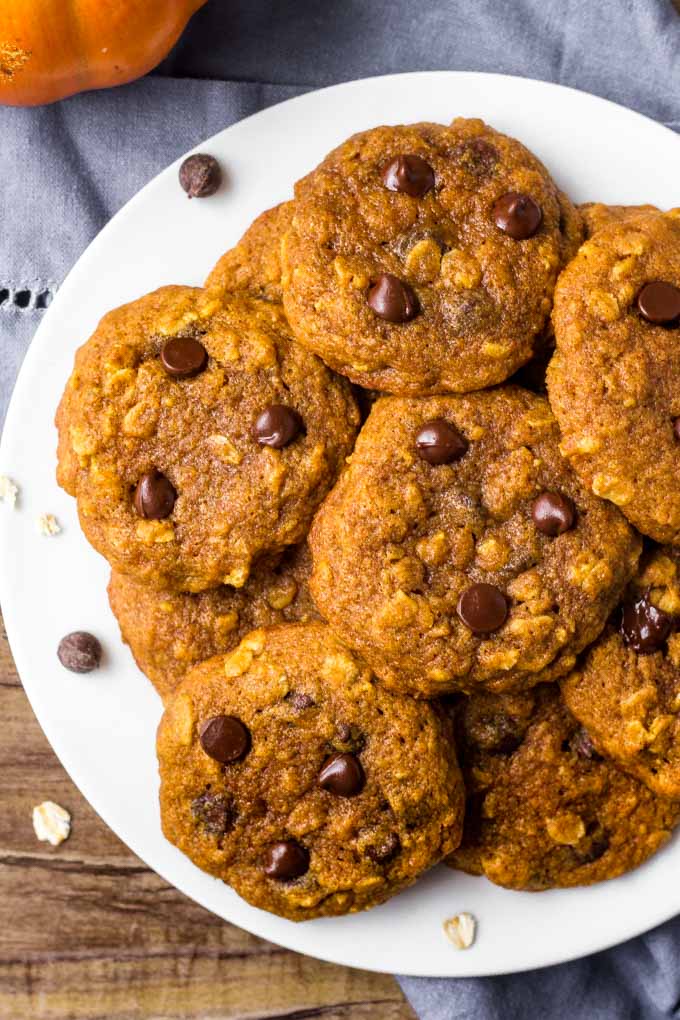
column 614, row 382
column 597, row 215
column 625, row 692
column 422, row 259
column 459, row 551
column 289, row 773
column 169, row 632
column 197, row 437
column 254, row 264
column 544, row 810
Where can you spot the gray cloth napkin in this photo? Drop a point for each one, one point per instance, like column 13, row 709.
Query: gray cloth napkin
column 67, row 168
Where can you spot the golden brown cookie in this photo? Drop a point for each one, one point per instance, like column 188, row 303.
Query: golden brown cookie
column 626, row 691
column 197, row 437
column 459, row 551
column 169, row 632
column 289, row 773
column 614, row 382
column 422, row 258
column 544, row 810
column 254, row 264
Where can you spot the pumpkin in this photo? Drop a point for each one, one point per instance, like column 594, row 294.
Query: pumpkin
column 50, row 49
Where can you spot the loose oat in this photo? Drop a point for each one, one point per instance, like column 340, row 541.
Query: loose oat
column 52, row 823
column 460, row 930
column 8, row 491
column 48, row 525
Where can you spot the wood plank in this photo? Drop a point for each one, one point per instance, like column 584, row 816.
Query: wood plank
column 88, row 932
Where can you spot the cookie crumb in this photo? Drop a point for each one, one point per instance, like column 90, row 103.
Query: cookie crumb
column 9, row 491
column 461, row 930
column 48, row 525
column 52, row 823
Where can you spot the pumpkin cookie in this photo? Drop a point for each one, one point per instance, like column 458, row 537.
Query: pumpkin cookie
column 544, row 810
column 197, row 437
column 459, row 551
column 422, row 259
column 614, row 382
column 626, row 692
column 254, row 264
column 289, row 773
column 169, row 632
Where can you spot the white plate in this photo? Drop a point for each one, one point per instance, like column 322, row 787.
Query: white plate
column 102, row 725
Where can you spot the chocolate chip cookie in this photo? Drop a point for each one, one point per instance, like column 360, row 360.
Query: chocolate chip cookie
column 169, row 632
column 614, row 382
column 198, row 437
column 289, row 773
column 422, row 259
column 544, row 809
column 459, row 551
column 626, row 692
column 254, row 264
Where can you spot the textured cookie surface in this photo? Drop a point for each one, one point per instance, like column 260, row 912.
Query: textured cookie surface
column 177, row 483
column 626, row 692
column 597, row 215
column 169, row 632
column 478, row 296
column 254, row 264
column 614, row 383
column 544, row 810
column 342, row 794
column 400, row 541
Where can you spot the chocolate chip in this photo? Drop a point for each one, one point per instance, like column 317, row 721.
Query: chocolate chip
column 553, row 514
column 582, row 745
column 676, row 428
column 300, row 701
column 659, row 303
column 80, row 652
column 154, row 496
column 285, row 861
column 385, row 851
column 392, row 299
column 410, row 175
column 517, row 215
column 597, row 849
column 482, row 608
column 225, row 738
column 500, row 734
column 478, row 157
column 644, row 628
column 215, row 812
column 278, row 426
column 343, row 775
column 200, row 175
column 439, row 442
column 182, row 357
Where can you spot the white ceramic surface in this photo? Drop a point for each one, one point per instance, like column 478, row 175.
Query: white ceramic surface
column 102, row 725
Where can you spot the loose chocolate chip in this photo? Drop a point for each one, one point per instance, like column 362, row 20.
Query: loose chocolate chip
column 154, row 496
column 392, row 299
column 285, row 861
column 278, row 426
column 517, row 215
column 439, row 442
column 80, row 652
column 644, row 628
column 659, row 303
column 215, row 812
column 482, row 608
column 225, row 738
column 385, row 851
column 582, row 745
column 409, row 174
column 182, row 357
column 553, row 514
column 200, row 175
column 343, row 775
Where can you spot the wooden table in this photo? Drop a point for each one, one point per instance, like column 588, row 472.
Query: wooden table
column 87, row 932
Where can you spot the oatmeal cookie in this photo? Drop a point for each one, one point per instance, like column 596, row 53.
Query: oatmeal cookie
column 458, row 550
column 289, row 773
column 614, row 382
column 169, row 632
column 254, row 264
column 422, row 259
column 544, row 809
column 198, row 437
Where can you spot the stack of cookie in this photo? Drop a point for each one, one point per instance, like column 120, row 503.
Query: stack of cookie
column 353, row 542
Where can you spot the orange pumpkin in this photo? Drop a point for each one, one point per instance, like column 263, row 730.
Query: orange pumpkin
column 50, row 49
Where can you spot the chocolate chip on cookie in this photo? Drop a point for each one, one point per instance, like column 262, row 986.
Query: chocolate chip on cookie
column 286, row 861
column 439, row 442
column 343, row 775
column 410, row 174
column 183, row 357
column 553, row 513
column 392, row 299
column 225, row 738
column 278, row 426
column 517, row 215
column 659, row 303
column 154, row 496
